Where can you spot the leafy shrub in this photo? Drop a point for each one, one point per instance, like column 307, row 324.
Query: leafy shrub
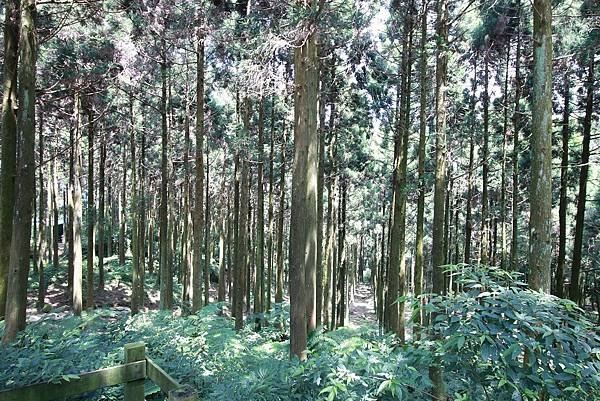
column 502, row 341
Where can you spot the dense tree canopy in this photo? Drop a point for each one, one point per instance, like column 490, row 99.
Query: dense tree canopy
column 422, row 172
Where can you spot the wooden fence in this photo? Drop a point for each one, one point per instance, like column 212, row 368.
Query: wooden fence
column 136, row 369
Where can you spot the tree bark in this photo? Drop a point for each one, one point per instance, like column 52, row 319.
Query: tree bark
column 441, row 75
column 166, row 277
column 516, row 118
column 198, row 195
column 540, row 247
column 9, row 141
column 91, row 213
column 303, row 230
column 423, row 87
column 101, row 215
column 77, row 211
column 485, row 207
column 45, row 185
column 281, row 217
column 559, row 287
column 575, row 292
column 25, row 181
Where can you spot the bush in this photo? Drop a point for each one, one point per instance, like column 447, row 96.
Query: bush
column 502, row 341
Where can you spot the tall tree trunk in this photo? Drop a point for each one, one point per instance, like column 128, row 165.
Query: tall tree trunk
column 575, row 292
column 91, row 213
column 540, row 247
column 321, row 178
column 77, row 211
column 239, row 283
column 260, row 216
column 137, row 289
column 198, row 195
column 485, row 207
column 8, row 141
column 441, row 81
column 562, row 211
column 328, row 262
column 270, row 210
column 45, row 185
column 281, row 217
column 141, row 228
column 503, row 250
column 123, row 207
column 516, row 118
column 101, row 215
column 303, row 230
column 222, row 232
column 423, row 87
column 469, row 200
column 187, row 223
column 166, row 277
column 207, row 233
column 69, row 195
column 54, row 195
column 342, row 256
column 25, row 183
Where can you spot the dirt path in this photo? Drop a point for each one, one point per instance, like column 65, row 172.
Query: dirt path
column 362, row 310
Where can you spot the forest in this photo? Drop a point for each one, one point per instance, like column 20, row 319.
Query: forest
column 300, row 200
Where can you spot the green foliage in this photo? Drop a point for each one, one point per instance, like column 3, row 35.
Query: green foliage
column 502, row 341
column 205, row 351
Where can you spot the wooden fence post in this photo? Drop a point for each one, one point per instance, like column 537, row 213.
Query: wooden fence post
column 184, row 393
column 134, row 390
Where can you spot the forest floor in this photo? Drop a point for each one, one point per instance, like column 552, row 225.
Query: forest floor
column 117, row 293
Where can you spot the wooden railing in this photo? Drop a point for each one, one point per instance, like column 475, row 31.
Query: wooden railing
column 136, row 369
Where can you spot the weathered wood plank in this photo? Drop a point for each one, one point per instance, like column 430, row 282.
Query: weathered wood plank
column 87, row 382
column 161, row 378
column 134, row 390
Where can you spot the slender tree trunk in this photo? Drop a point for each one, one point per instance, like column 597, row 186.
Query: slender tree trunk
column 270, row 210
column 342, row 256
column 516, row 118
column 25, row 181
column 239, row 283
column 576, row 292
column 198, row 196
column 122, row 208
column 207, row 233
column 77, row 211
column 166, row 277
column 91, row 214
column 54, row 195
column 328, row 262
column 562, row 211
column 540, row 247
column 435, row 370
column 423, row 79
column 222, row 233
column 44, row 223
column 279, row 283
column 260, row 216
column 468, row 217
column 137, row 284
column 101, row 216
column 141, row 228
column 485, row 207
column 303, row 230
column 503, row 211
column 187, row 216
column 9, row 142
column 321, row 178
